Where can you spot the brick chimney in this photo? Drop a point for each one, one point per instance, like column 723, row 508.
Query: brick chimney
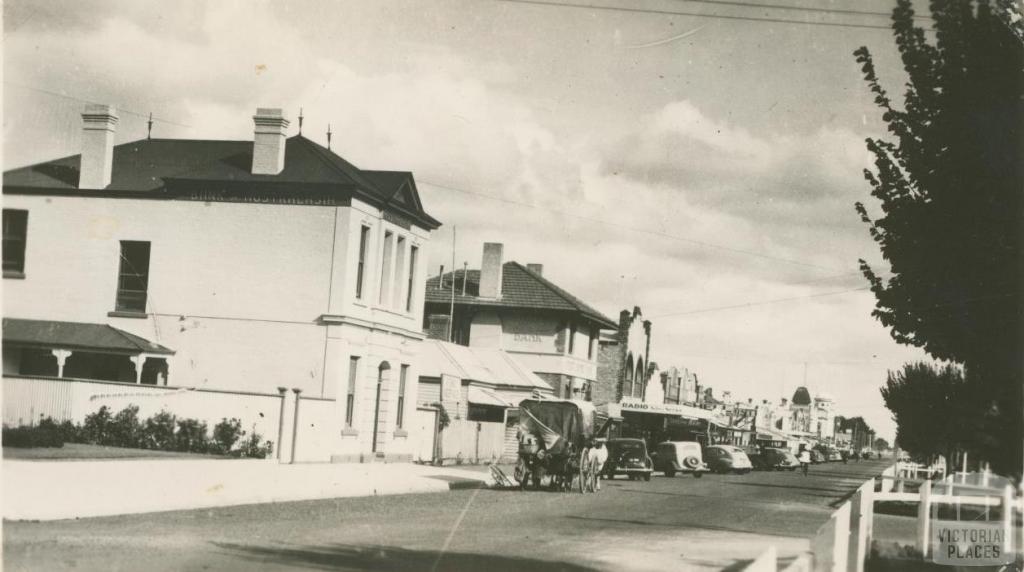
column 491, row 270
column 536, row 268
column 99, row 125
column 268, row 144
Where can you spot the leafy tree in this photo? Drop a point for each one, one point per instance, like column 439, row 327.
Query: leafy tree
column 949, row 181
column 881, row 444
column 937, row 411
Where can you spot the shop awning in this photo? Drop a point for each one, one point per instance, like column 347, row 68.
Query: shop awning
column 678, row 410
column 100, row 338
column 483, row 396
column 490, row 366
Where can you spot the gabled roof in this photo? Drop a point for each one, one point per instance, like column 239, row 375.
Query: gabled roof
column 521, row 288
column 77, row 336
column 165, row 168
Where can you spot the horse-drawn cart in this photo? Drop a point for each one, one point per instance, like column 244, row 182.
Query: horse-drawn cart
column 555, row 440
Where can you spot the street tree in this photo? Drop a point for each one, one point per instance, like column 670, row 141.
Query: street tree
column 937, row 411
column 880, row 444
column 948, row 179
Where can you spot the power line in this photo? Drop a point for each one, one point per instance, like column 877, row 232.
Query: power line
column 73, row 98
column 634, row 229
column 842, row 11
column 698, row 14
column 762, row 303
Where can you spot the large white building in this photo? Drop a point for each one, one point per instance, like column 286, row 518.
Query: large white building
column 247, row 265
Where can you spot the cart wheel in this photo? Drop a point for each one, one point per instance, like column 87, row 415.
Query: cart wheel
column 524, row 479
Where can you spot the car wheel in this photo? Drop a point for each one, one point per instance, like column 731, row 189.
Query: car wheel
column 647, row 476
column 697, row 475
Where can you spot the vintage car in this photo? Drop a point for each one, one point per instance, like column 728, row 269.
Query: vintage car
column 758, row 462
column 727, row 459
column 673, row 457
column 818, row 457
column 834, row 455
column 780, row 459
column 628, row 457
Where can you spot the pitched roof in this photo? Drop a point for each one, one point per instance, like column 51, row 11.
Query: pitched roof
column 520, row 288
column 77, row 335
column 486, row 365
column 156, row 168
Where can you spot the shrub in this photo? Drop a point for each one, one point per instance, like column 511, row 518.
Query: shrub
column 46, row 434
column 191, row 436
column 225, row 435
column 158, row 432
column 97, row 426
column 125, row 429
column 253, row 448
column 69, row 432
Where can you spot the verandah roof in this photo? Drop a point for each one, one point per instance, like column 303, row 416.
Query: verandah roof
column 102, row 338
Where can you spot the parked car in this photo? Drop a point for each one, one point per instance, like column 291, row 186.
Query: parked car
column 728, row 459
column 758, row 462
column 817, row 457
column 780, row 459
column 834, row 455
column 628, row 457
column 673, row 457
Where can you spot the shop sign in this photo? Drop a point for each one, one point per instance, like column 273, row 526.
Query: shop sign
column 665, row 409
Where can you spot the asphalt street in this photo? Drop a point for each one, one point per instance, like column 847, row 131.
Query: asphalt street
column 682, row 523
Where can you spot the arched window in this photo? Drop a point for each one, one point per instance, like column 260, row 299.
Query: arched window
column 627, row 381
column 639, row 378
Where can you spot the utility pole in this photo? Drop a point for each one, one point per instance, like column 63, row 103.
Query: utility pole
column 451, row 313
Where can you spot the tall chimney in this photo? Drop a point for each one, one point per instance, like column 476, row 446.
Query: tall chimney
column 99, row 125
column 490, row 270
column 536, row 268
column 268, row 144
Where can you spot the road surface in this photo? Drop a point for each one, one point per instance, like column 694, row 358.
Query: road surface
column 682, row 523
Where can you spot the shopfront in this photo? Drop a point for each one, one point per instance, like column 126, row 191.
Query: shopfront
column 659, row 422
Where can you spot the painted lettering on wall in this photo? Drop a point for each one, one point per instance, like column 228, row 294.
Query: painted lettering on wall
column 527, row 338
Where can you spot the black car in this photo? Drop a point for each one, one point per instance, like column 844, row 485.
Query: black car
column 628, row 457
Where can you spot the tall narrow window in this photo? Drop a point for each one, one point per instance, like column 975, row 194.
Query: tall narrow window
column 396, row 296
column 590, row 343
column 400, row 422
column 364, row 240
column 350, row 397
column 15, row 230
column 413, row 253
column 572, row 339
column 385, row 268
column 133, row 277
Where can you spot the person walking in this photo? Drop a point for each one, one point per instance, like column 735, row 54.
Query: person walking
column 805, row 460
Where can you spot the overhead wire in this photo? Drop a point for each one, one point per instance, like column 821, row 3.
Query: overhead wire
column 73, row 98
column 699, row 14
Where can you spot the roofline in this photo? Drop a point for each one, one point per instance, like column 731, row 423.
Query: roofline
column 599, row 317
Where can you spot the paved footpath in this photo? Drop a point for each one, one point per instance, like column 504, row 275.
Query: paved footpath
column 682, row 523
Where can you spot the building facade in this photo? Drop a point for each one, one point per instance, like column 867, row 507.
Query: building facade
column 259, row 264
column 623, row 358
column 513, row 307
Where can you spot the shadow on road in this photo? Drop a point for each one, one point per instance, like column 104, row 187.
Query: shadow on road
column 753, row 529
column 832, row 491
column 350, row 557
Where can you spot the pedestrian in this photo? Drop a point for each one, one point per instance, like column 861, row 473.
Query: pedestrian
column 805, row 460
column 845, row 455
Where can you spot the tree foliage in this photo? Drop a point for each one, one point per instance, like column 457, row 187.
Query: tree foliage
column 937, row 411
column 949, row 180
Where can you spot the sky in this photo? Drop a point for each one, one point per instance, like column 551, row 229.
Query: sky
column 704, row 169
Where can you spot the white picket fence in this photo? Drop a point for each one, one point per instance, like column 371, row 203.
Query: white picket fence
column 844, row 542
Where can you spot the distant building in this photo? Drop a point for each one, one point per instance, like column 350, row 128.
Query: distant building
column 680, row 385
column 513, row 307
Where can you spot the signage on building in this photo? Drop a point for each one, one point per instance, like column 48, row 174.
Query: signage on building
column 665, row 409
